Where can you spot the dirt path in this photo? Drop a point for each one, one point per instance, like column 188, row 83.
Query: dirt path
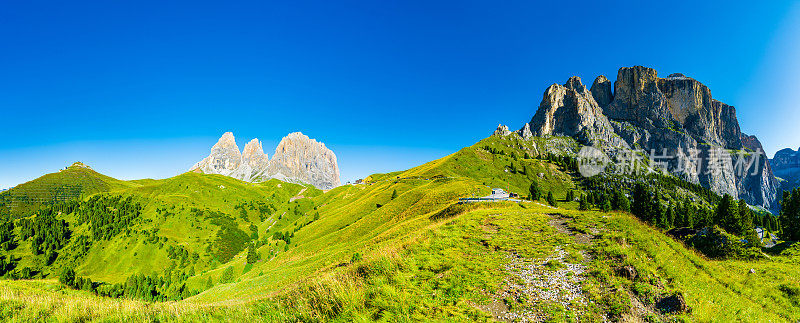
column 534, row 284
column 298, row 196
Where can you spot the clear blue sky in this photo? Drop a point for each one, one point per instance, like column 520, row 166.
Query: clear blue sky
column 144, row 89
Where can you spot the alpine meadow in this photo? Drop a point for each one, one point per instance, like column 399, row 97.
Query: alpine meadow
column 399, row 192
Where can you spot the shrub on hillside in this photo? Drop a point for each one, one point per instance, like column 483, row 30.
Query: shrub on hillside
column 716, row 243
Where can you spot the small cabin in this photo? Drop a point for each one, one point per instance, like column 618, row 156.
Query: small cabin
column 498, row 193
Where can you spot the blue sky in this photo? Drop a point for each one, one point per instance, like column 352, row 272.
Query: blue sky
column 144, row 89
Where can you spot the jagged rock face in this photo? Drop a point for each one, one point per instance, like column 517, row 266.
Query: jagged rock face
column 254, row 162
column 751, row 142
column 786, row 158
column 525, row 132
column 502, row 131
column 224, row 159
column 570, row 110
column 298, row 159
column 676, row 113
column 601, row 91
column 786, row 165
column 647, row 101
column 301, row 158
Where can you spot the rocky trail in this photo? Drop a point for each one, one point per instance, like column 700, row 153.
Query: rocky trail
column 535, row 284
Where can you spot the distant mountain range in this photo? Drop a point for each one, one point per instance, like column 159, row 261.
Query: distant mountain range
column 786, row 166
column 297, row 159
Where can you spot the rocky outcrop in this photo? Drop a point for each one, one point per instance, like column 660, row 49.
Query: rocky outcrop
column 300, row 158
column 676, row 102
column 254, row 162
column 297, row 159
column 786, row 165
column 502, row 131
column 675, row 117
column 786, row 159
column 224, row 159
column 571, row 110
column 601, row 91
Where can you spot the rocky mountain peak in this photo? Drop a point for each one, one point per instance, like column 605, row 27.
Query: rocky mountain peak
column 571, row 110
column 302, row 158
column 601, row 91
column 574, row 83
column 226, row 141
column 786, row 165
column 502, row 130
column 79, row 165
column 298, row 159
column 786, row 158
column 253, row 149
column 676, row 113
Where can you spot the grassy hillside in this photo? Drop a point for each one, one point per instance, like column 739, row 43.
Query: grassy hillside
column 73, row 182
column 395, row 248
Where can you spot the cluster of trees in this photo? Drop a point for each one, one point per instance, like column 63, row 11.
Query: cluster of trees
column 230, row 240
column 535, row 193
column 153, row 288
column 551, row 200
column 606, row 201
column 182, row 255
column 516, row 170
column 47, row 233
column 735, row 217
column 494, row 151
column 647, row 205
column 7, row 264
column 164, row 212
column 7, row 241
column 108, row 215
column 252, row 254
column 570, row 164
column 657, row 182
column 242, row 212
column 67, row 277
column 285, row 236
column 790, row 215
column 9, row 268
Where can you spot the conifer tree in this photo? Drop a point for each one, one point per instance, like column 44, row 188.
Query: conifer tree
column 789, row 217
column 67, row 277
column 620, row 201
column 252, row 255
column 551, row 200
column 641, row 201
column 584, row 204
column 606, row 205
column 570, row 196
column 534, row 191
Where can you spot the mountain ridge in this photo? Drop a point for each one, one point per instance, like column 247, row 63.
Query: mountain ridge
column 675, row 114
column 786, row 165
column 297, row 159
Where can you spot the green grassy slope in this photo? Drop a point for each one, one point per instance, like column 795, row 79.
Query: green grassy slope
column 356, row 253
column 190, row 211
column 73, row 182
column 364, row 219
